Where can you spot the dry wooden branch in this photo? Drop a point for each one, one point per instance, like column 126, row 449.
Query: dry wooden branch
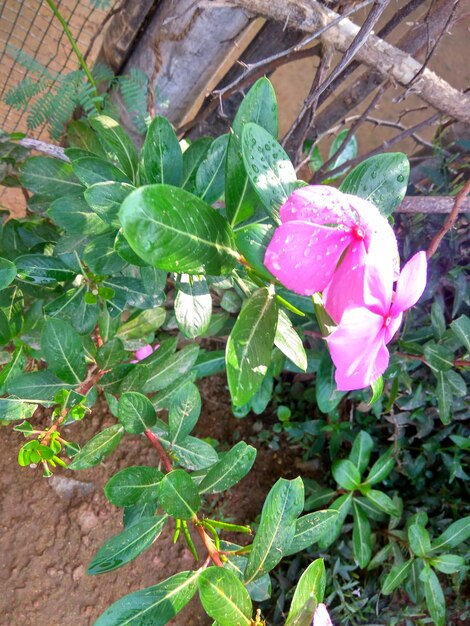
column 45, row 148
column 450, row 221
column 388, row 60
column 431, row 204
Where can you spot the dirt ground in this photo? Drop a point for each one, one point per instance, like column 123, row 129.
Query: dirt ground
column 50, row 529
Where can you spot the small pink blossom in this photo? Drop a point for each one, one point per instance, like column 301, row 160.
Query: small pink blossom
column 321, row 616
column 358, row 344
column 143, row 353
column 321, row 228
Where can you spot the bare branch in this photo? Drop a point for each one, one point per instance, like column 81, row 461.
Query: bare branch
column 450, row 221
column 46, row 148
column 431, row 204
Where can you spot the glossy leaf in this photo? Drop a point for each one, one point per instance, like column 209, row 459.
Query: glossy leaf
column 210, row 176
column 252, row 241
column 136, row 412
column 383, row 502
column 282, row 506
column 224, row 597
column 7, row 273
column 161, row 156
column 346, row 474
column 132, row 485
column 178, row 495
column 396, row 577
column 42, row 270
column 361, row 450
column 381, row 468
column 105, row 199
column 153, row 606
column 268, row 167
column 193, row 305
column 63, row 350
column 310, row 528
column 382, row 179
column 164, row 372
column 73, row 214
column 326, row 392
column 117, row 143
column 192, row 453
column 40, row 386
column 192, row 158
column 249, row 346
column 171, row 229
column 289, row 342
column 94, row 451
column 308, row 593
column 51, row 177
column 185, row 408
column 342, row 506
column 435, row 599
column 453, row 536
column 12, row 409
column 93, row 170
column 126, row 546
column 362, row 537
column 235, row 465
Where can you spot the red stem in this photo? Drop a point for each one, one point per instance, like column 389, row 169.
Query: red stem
column 155, row 441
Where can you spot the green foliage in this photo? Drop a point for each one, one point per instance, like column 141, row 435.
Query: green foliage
column 125, row 249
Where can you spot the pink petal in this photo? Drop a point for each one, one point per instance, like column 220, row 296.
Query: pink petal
column 357, row 348
column 411, row 283
column 321, row 616
column 346, row 287
column 392, row 328
column 318, row 204
column 143, row 353
column 378, row 280
column 303, row 257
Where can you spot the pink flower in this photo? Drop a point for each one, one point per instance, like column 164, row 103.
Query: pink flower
column 322, row 226
column 358, row 344
column 143, row 353
column 321, row 616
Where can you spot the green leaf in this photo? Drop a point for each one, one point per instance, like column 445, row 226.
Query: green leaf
column 461, row 329
column 193, row 305
column 7, row 273
column 258, row 106
column 100, row 256
column 50, row 177
column 326, row 392
column 382, row 502
column 105, row 200
column 136, row 412
column 161, row 156
column 192, row 453
column 126, row 546
column 252, row 241
column 346, row 474
column 142, row 324
column 268, row 167
column 93, row 170
column 80, row 135
column 40, row 386
column 185, row 408
column 435, row 599
column 224, row 597
column 42, row 270
column 117, row 143
column 249, row 346
column 5, row 329
column 341, row 506
column 164, row 372
column 381, row 468
column 439, row 358
column 347, row 153
column 13, row 368
column 308, row 593
column 178, row 495
column 444, row 397
column 362, row 537
column 94, row 451
column 457, row 383
column 63, row 350
column 135, row 379
column 289, row 342
column 453, row 536
column 259, row 589
column 110, row 353
column 382, row 179
column 235, row 465
column 132, row 485
column 210, row 176
column 448, row 563
column 310, row 528
column 395, row 577
column 192, row 158
column 361, row 450
column 12, row 409
column 171, row 229
column 72, row 307
column 73, row 214
column 153, row 606
column 282, row 506
column 210, row 362
column 420, row 542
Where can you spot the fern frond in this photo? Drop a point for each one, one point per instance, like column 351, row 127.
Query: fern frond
column 29, row 62
column 19, row 96
column 133, row 88
column 40, row 110
column 102, row 73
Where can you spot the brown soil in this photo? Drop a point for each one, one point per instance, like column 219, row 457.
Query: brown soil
column 50, row 529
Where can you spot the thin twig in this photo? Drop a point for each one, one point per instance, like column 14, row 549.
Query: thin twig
column 46, row 148
column 450, row 221
column 155, row 441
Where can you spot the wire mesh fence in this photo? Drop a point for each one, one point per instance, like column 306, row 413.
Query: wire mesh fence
column 33, row 43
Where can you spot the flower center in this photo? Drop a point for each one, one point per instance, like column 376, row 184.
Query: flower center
column 387, row 321
column 359, row 232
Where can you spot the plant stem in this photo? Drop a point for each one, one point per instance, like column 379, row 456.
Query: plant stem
column 155, row 441
column 75, row 48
